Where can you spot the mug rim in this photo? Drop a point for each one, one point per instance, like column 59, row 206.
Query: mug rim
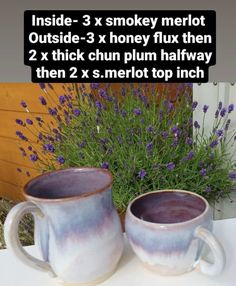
column 167, row 225
column 68, row 198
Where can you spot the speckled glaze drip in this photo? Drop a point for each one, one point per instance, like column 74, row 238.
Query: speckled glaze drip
column 169, row 248
column 81, row 238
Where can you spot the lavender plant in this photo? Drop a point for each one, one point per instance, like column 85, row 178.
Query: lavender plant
column 144, row 139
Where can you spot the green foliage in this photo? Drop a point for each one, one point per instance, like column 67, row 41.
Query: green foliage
column 25, row 229
column 147, row 142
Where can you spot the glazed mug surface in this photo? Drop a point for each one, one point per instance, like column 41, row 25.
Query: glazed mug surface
column 77, row 228
column 167, row 230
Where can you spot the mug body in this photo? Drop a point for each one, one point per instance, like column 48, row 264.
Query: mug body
column 160, row 227
column 80, row 233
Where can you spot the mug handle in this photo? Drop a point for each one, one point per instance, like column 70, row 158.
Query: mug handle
column 216, row 249
column 12, row 238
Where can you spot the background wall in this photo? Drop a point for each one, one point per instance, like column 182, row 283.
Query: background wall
column 211, row 94
column 11, row 181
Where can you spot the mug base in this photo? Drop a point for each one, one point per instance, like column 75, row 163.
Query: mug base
column 90, row 283
column 164, row 271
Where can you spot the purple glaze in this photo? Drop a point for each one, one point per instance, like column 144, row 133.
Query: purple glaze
column 68, row 183
column 168, row 207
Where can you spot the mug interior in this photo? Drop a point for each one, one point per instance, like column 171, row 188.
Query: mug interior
column 69, row 183
column 168, row 207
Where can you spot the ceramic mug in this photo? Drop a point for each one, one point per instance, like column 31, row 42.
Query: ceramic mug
column 167, row 230
column 76, row 225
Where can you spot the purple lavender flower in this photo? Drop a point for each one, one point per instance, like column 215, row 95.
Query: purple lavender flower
column 227, row 124
column 23, row 104
column 137, row 111
column 21, row 136
column 120, row 140
column 189, row 141
column 33, row 157
column 165, row 102
column 116, row 109
column 94, row 85
column 175, row 141
column 223, row 112
column 230, row 108
column 189, row 156
column 102, row 93
column 123, row 91
column 40, row 136
column 52, row 111
column 42, row 85
column 62, row 99
column 214, row 143
column 203, row 172
column 208, row 189
column 232, row 175
column 149, row 146
column 50, row 138
column 76, row 112
column 161, row 114
column 43, row 100
column 170, row 166
column 54, row 130
column 175, row 130
column 194, row 105
column 83, row 144
column 105, row 165
column 69, row 104
column 123, row 113
column 196, row 125
column 23, row 154
column 98, row 104
column 170, row 106
column 49, row 147
column 19, row 122
column 66, row 112
column 30, row 148
column 60, row 160
column 141, row 174
column 39, row 119
column 18, row 133
column 205, row 108
column 164, row 134
column 220, row 104
column 150, row 129
column 29, row 121
column 217, row 113
column 219, row 132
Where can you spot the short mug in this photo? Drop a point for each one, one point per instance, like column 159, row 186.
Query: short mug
column 76, row 225
column 167, row 230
